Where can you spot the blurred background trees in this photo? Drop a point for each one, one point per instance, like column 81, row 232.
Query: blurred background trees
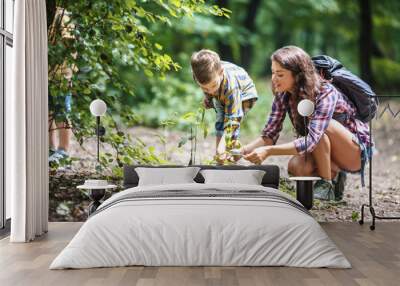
column 135, row 54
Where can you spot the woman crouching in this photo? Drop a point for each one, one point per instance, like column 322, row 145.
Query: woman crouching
column 332, row 145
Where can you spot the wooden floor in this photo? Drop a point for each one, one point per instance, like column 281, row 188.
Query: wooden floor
column 374, row 255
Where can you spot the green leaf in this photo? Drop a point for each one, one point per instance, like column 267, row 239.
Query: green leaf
column 177, row 3
column 158, row 46
column 188, row 116
column 87, row 91
column 355, row 216
column 148, row 72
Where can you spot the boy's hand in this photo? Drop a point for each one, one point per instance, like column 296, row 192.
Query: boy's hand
column 236, row 154
column 207, row 102
column 221, row 158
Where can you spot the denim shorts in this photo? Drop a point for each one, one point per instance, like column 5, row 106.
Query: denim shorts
column 60, row 105
column 366, row 152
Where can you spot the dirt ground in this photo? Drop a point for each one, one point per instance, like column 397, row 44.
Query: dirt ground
column 385, row 166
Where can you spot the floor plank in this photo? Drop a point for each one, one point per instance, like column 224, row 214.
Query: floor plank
column 374, row 255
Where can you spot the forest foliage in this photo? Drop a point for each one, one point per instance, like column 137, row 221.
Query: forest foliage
column 135, row 56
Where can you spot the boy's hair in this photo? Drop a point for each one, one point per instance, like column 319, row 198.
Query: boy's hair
column 205, row 64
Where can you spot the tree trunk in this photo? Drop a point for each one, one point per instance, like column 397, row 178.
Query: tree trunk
column 224, row 48
column 51, row 8
column 365, row 41
column 309, row 41
column 281, row 35
column 246, row 49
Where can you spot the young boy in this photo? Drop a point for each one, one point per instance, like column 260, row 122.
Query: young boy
column 229, row 90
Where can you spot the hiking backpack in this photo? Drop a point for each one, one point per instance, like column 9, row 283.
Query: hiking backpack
column 355, row 89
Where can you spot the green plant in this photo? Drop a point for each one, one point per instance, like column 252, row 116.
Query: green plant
column 97, row 47
column 127, row 151
column 192, row 122
column 286, row 186
column 355, row 216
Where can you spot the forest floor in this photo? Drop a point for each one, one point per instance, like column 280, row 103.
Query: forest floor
column 68, row 204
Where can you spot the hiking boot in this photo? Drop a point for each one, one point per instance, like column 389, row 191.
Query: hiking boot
column 57, row 156
column 339, row 184
column 323, row 190
column 52, row 151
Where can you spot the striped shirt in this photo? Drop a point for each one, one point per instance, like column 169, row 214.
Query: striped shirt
column 236, row 87
column 330, row 103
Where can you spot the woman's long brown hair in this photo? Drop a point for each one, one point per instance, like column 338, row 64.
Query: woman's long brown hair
column 307, row 81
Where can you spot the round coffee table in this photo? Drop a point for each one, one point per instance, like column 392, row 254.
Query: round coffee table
column 96, row 194
column 304, row 190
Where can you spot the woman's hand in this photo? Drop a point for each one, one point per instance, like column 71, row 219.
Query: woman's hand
column 258, row 155
column 243, row 151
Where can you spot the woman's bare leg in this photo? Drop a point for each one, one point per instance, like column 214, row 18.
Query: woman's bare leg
column 52, row 134
column 322, row 157
column 334, row 169
column 344, row 151
column 65, row 134
column 336, row 146
column 336, row 150
column 298, row 166
column 317, row 163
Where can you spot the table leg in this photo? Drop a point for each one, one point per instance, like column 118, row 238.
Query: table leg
column 304, row 193
column 96, row 196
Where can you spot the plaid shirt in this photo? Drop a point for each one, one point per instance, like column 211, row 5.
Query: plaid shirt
column 330, row 103
column 236, row 87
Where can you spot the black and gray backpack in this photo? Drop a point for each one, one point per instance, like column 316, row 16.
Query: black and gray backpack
column 355, row 89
